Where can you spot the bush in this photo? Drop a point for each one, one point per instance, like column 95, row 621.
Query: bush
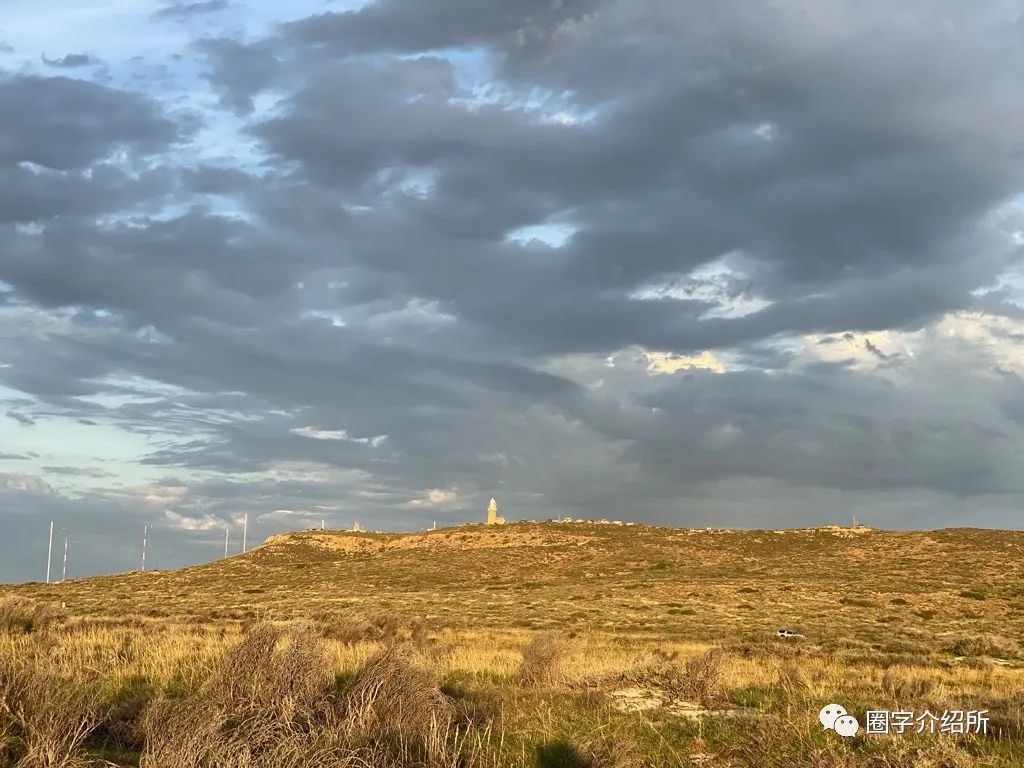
column 392, row 695
column 985, row 645
column 695, row 681
column 608, row 753
column 255, row 710
column 352, row 628
column 125, row 709
column 702, row 675
column 544, row 659
column 54, row 713
column 21, row 614
column 906, row 690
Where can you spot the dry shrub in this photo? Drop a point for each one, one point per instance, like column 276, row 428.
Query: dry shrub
column 791, row 678
column 180, row 734
column 352, row 628
column 608, row 753
column 985, row 645
column 242, row 682
column 703, row 674
column 695, row 681
column 910, row 689
column 259, row 709
column 349, row 630
column 483, row 706
column 54, row 713
column 774, row 742
column 272, row 704
column 391, row 695
column 273, row 671
column 544, row 660
column 127, row 706
column 22, row 614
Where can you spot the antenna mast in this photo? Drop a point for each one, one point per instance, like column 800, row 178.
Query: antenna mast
column 145, row 536
column 64, row 571
column 49, row 553
column 225, row 541
column 245, row 531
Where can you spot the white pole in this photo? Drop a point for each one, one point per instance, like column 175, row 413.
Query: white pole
column 49, row 553
column 225, row 542
column 145, row 536
column 245, row 531
column 64, row 572
column 322, row 523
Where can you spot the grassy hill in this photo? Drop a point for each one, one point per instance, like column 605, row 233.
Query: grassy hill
column 532, row 645
column 840, row 587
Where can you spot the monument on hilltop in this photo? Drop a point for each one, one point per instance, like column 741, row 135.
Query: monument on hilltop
column 492, row 514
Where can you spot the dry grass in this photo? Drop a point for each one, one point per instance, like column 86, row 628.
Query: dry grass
column 391, row 695
column 22, row 614
column 544, row 660
column 460, row 661
column 281, row 695
column 52, row 712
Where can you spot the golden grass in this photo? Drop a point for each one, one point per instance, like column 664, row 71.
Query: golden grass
column 172, row 670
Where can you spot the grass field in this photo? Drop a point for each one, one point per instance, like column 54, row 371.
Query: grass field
column 533, row 644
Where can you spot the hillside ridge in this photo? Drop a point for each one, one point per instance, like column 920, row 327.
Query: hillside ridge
column 867, row 586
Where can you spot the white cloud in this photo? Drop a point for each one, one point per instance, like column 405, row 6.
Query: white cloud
column 668, row 362
column 724, row 283
column 25, row 483
column 338, row 434
column 321, row 434
column 436, row 497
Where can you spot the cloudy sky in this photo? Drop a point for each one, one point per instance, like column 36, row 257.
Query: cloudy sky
column 689, row 263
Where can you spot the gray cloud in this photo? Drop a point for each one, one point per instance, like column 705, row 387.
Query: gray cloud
column 65, row 124
column 180, row 11
column 71, row 61
column 20, row 418
column 437, row 239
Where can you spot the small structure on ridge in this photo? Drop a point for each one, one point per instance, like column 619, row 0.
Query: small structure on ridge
column 492, row 514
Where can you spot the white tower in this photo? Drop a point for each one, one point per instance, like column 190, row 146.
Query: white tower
column 492, row 514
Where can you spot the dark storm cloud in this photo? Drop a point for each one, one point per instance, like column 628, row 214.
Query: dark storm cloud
column 340, row 306
column 838, row 198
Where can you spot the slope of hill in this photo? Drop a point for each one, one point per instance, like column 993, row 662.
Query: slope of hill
column 662, row 652
column 840, row 587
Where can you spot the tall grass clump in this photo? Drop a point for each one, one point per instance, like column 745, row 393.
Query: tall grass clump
column 273, row 703
column 261, row 707
column 392, row 695
column 544, row 660
column 47, row 714
column 19, row 615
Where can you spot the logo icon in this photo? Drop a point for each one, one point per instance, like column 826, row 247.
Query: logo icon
column 834, row 717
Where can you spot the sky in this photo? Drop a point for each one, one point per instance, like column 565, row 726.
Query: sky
column 685, row 263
